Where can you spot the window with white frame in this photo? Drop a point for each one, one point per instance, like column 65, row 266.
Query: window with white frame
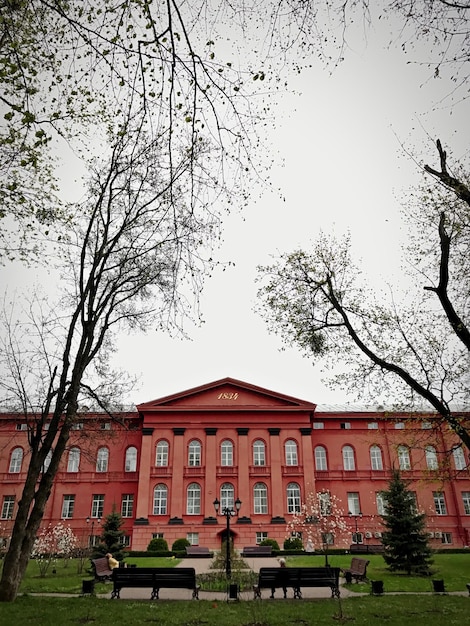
column 404, row 462
column 73, row 460
column 459, row 458
column 193, row 500
column 8, row 506
column 161, row 457
column 376, row 462
column 194, row 453
column 290, row 448
column 348, row 459
column 426, row 425
column 125, row 541
column 431, row 458
column 16, row 461
column 439, row 503
column 399, row 425
column 260, row 536
column 321, row 463
column 97, row 506
column 259, row 453
column 413, row 502
column 226, row 453
column 260, row 498
column 354, row 506
column 345, row 425
column 102, row 459
column 293, row 498
column 372, row 426
column 68, row 504
column 227, row 496
column 193, row 538
column 131, row 459
column 318, row 425
column 160, row 499
column 381, row 503
column 466, row 502
column 23, row 426
column 446, row 538
column 324, row 500
column 127, row 505
column 105, row 426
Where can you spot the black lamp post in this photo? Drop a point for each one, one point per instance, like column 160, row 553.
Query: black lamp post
column 355, row 515
column 228, row 513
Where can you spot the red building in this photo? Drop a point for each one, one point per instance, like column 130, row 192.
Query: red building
column 163, row 466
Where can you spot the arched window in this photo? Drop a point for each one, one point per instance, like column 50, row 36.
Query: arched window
column 293, row 498
column 160, row 499
column 102, row 460
column 131, row 459
column 16, row 460
column 260, row 498
column 431, row 458
column 194, row 453
column 259, row 453
column 321, row 463
column 73, row 461
column 291, row 452
column 193, row 501
column 376, row 458
column 226, row 453
column 161, row 457
column 227, row 496
column 404, row 462
column 459, row 458
column 348, row 459
column 47, row 461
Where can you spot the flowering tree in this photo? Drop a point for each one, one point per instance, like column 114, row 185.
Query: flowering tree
column 52, row 542
column 320, row 521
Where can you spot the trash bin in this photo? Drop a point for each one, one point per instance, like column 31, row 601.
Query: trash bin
column 438, row 586
column 348, row 577
column 233, row 592
column 88, row 587
column 377, row 587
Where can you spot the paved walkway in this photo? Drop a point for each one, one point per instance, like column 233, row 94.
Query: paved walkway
column 203, row 565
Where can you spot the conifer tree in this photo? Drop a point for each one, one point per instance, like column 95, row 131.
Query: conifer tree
column 111, row 536
column 405, row 538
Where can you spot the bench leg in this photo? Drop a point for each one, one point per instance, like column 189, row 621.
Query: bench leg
column 335, row 592
column 196, row 593
column 154, row 594
column 256, row 592
column 297, row 593
column 115, row 594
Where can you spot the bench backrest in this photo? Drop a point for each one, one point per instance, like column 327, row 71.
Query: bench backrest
column 258, row 549
column 197, row 550
column 358, row 565
column 157, row 576
column 298, row 575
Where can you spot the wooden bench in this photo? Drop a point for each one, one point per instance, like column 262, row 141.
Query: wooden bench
column 101, row 568
column 257, row 551
column 296, row 578
column 358, row 569
column 156, row 578
column 199, row 551
column 369, row 548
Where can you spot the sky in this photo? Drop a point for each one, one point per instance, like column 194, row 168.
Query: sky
column 341, row 143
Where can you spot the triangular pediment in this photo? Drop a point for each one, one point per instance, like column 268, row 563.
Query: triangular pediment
column 227, row 394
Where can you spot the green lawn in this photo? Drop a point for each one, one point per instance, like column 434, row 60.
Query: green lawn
column 391, row 610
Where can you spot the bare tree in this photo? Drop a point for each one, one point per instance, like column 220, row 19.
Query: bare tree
column 135, row 256
column 317, row 302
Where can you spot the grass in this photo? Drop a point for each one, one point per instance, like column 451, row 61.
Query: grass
column 392, row 610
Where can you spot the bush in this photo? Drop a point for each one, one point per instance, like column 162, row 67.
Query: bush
column 157, row 544
column 293, row 543
column 270, row 542
column 180, row 545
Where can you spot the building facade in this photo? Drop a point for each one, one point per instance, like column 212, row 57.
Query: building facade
column 163, row 466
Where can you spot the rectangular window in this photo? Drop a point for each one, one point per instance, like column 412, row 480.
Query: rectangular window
column 328, row 539
column 439, row 503
column 105, row 426
column 325, row 503
column 193, row 505
column 125, row 541
column 68, row 504
column 353, row 503
column 381, row 503
column 372, row 426
column 193, row 538
column 399, row 425
column 78, row 426
column 127, row 505
column 466, row 502
column 22, row 427
column 7, row 507
column 157, row 535
column 414, row 502
column 260, row 499
column 97, row 506
column 446, row 538
column 261, row 536
column 318, row 425
column 426, row 425
column 345, row 425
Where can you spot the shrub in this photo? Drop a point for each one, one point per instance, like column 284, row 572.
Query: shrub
column 180, row 544
column 270, row 542
column 293, row 543
column 157, row 544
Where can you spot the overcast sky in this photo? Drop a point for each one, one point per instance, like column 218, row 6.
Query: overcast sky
column 344, row 169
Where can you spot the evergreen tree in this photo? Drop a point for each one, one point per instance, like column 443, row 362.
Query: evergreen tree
column 405, row 538
column 111, row 536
